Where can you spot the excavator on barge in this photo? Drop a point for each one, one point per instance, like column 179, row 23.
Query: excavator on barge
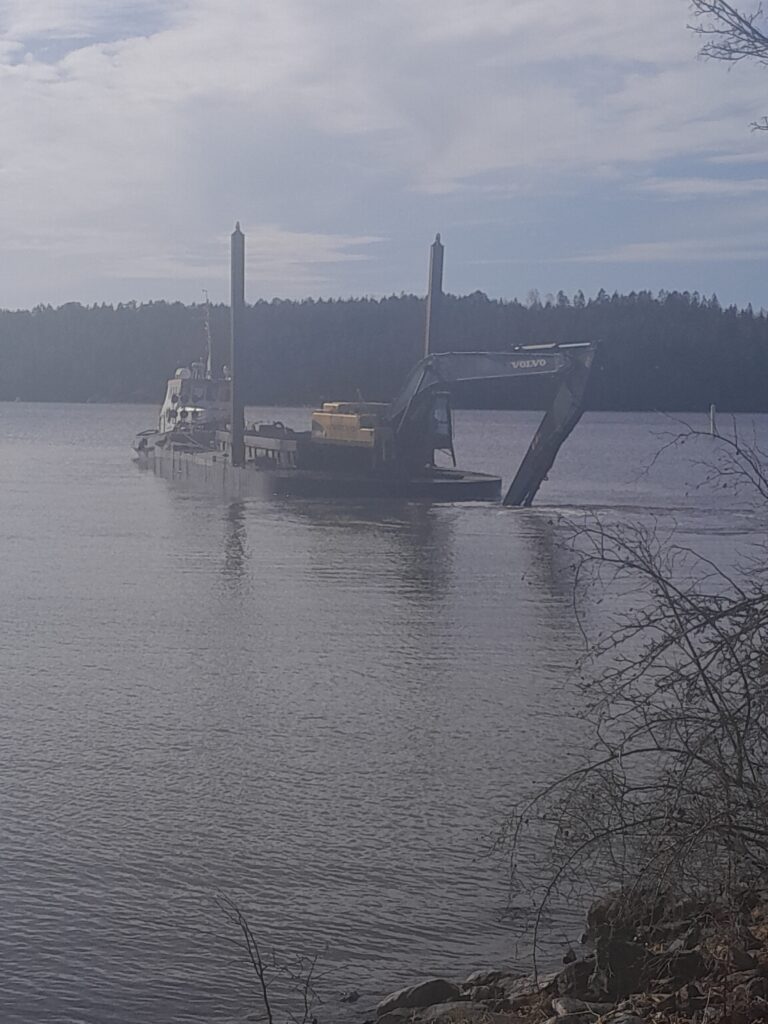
column 361, row 449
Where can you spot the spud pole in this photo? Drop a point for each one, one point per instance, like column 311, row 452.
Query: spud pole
column 237, row 316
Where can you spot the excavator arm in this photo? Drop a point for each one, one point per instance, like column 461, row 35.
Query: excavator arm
column 559, row 420
column 570, row 365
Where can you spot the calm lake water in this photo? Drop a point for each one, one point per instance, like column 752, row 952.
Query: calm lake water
column 319, row 710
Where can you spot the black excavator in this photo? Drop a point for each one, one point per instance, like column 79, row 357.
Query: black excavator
column 402, row 437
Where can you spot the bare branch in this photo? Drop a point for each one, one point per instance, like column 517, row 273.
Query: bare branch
column 294, row 973
column 675, row 792
column 730, row 34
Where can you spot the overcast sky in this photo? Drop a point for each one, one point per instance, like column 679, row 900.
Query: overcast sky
column 555, row 144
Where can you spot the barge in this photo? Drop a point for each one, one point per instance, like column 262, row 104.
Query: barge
column 358, row 449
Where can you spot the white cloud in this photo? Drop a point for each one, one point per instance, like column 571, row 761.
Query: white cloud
column 36, row 21
column 274, row 256
column 692, row 250
column 759, row 156
column 157, row 123
column 698, row 188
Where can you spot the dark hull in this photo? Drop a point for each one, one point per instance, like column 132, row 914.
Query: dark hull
column 213, row 471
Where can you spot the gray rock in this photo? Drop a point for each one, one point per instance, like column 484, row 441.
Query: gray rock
column 400, row 1016
column 620, row 965
column 757, row 988
column 608, row 910
column 573, row 980
column 750, row 940
column 485, row 977
column 741, row 977
column 458, row 1013
column 712, row 1014
column 583, row 1017
column 573, row 1018
column 514, row 985
column 677, row 946
column 426, row 993
column 741, row 959
column 688, row 966
column 627, row 1011
column 624, row 1018
column 482, row 993
column 567, row 1004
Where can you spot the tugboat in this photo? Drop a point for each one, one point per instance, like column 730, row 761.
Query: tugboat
column 195, row 407
column 359, row 449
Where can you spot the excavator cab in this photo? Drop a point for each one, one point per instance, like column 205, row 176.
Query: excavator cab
column 428, row 429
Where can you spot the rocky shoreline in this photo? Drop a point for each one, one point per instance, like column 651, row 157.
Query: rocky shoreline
column 644, row 960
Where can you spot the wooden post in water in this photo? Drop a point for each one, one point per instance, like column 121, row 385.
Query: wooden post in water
column 237, row 313
column 713, row 420
column 434, row 296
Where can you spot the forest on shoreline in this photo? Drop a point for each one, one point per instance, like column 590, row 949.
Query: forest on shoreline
column 675, row 351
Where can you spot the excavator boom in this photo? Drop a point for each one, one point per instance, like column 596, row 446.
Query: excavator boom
column 443, row 369
column 559, row 420
column 570, row 365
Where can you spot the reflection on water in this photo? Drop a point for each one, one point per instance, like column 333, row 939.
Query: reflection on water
column 418, row 539
column 320, row 709
column 236, row 540
column 549, row 563
column 427, row 553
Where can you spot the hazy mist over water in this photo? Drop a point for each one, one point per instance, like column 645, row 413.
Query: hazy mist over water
column 319, row 709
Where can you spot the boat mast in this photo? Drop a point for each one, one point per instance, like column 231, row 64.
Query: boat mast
column 237, row 311
column 434, row 296
column 208, row 341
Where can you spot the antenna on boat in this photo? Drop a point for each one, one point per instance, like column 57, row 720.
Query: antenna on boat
column 208, row 341
column 237, row 311
column 434, row 295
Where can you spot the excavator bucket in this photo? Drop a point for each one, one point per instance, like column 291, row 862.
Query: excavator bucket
column 562, row 416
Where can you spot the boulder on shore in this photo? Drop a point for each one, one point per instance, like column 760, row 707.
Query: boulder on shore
column 426, row 993
column 460, row 1013
column 670, row 962
column 484, row 977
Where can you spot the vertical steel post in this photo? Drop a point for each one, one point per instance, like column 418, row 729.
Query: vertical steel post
column 434, row 296
column 237, row 312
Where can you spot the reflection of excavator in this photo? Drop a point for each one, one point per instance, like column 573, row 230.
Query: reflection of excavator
column 376, row 449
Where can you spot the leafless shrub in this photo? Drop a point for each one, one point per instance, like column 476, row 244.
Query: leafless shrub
column 673, row 795
column 285, row 982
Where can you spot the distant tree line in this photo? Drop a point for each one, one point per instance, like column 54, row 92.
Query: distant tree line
column 671, row 351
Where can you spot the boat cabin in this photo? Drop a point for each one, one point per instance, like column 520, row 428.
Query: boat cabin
column 193, row 399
